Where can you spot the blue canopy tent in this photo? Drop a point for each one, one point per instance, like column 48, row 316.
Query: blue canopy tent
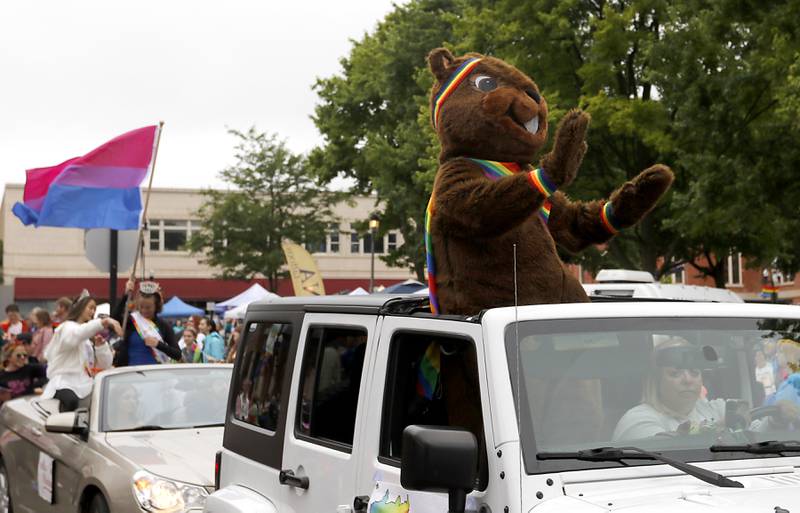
column 177, row 308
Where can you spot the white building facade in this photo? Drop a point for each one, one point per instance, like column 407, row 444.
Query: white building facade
column 42, row 264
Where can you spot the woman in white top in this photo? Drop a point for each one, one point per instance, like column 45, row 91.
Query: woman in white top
column 672, row 401
column 73, row 358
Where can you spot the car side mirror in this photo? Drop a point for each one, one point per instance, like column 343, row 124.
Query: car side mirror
column 440, row 459
column 70, row 422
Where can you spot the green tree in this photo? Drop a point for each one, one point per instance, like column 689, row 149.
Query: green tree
column 707, row 87
column 271, row 198
column 375, row 120
column 693, row 84
column 721, row 68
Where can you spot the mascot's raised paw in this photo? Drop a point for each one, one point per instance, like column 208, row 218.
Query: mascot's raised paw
column 637, row 197
column 562, row 164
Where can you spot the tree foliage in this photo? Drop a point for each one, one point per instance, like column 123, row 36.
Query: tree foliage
column 375, row 121
column 271, row 198
column 709, row 87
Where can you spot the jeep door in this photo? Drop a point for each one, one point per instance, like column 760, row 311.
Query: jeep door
column 326, row 413
column 405, row 390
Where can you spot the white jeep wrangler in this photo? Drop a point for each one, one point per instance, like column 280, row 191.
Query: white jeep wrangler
column 369, row 404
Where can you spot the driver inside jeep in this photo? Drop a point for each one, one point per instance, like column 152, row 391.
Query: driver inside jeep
column 674, row 400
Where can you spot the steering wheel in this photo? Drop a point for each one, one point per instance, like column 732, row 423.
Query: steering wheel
column 765, row 411
column 775, row 412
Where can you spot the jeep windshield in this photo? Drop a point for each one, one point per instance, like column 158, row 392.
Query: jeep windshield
column 673, row 385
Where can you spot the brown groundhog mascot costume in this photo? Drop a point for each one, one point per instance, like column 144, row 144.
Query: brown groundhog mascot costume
column 491, row 121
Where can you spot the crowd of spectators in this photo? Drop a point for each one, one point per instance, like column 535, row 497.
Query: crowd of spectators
column 777, row 368
column 55, row 352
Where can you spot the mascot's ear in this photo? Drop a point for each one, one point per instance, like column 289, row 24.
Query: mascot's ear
column 440, row 60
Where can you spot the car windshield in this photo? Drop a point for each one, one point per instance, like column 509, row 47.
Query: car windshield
column 662, row 384
column 171, row 398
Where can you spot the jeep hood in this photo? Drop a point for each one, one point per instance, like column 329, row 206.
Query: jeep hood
column 185, row 455
column 762, row 493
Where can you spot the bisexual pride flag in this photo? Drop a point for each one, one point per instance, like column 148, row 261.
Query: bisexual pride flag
column 97, row 190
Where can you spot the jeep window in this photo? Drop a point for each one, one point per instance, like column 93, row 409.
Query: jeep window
column 258, row 393
column 433, row 380
column 662, row 384
column 330, row 379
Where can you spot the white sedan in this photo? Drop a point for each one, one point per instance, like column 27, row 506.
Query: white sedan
column 146, row 442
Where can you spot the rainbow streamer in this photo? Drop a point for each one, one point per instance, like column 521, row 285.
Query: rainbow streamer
column 451, row 85
column 429, row 260
column 429, row 370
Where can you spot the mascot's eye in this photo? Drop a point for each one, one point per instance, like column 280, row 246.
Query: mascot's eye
column 485, row 83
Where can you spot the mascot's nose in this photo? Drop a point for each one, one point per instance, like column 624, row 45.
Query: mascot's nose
column 534, row 95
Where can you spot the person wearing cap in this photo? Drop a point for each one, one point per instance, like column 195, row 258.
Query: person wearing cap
column 134, row 348
column 673, row 401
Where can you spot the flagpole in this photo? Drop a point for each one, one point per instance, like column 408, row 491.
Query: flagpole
column 139, row 244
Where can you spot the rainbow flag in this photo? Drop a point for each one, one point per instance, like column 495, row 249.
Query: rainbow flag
column 97, row 190
column 768, row 291
column 429, row 371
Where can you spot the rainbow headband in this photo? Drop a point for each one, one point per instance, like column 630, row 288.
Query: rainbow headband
column 452, row 83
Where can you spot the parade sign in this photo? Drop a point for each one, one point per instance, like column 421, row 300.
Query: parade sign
column 306, row 278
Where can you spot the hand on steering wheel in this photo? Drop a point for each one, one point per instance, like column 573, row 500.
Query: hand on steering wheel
column 783, row 413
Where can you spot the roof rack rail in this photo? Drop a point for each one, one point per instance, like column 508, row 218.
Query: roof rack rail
column 610, row 298
column 406, row 305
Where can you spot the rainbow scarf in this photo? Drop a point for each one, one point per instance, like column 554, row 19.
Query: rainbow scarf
column 496, row 170
column 429, row 370
column 451, row 85
column 493, row 171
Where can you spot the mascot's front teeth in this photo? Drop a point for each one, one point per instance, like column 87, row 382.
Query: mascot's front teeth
column 532, row 126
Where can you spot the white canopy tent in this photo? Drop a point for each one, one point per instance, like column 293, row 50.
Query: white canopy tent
column 236, row 312
column 358, row 292
column 255, row 293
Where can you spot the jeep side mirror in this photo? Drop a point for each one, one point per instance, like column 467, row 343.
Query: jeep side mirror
column 440, row 459
column 70, row 422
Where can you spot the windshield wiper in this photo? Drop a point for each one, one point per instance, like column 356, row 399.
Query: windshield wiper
column 216, row 424
column 148, row 427
column 768, row 447
column 634, row 453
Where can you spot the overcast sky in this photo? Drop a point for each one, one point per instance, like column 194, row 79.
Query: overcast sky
column 74, row 74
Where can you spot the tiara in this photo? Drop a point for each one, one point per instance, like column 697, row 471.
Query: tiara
column 149, row 287
column 84, row 293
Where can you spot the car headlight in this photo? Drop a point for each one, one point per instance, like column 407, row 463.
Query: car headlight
column 161, row 495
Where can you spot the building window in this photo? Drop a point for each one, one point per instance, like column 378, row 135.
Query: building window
column 355, row 243
column 368, row 244
column 170, row 234
column 333, row 238
column 155, row 238
column 677, row 276
column 734, row 268
column 329, row 245
column 391, row 242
